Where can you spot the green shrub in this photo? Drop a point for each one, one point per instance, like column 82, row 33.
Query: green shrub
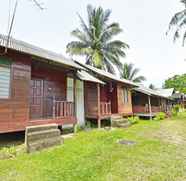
column 77, row 128
column 134, row 119
column 160, row 116
column 175, row 110
column 88, row 125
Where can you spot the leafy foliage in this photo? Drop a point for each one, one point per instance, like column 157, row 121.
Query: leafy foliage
column 130, row 73
column 175, row 110
column 133, row 120
column 160, row 116
column 95, row 40
column 178, row 23
column 178, row 82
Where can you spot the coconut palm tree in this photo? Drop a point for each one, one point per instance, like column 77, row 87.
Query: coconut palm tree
column 95, row 40
column 178, row 24
column 130, row 73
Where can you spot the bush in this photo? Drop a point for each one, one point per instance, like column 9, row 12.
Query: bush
column 134, row 119
column 175, row 110
column 77, row 128
column 160, row 116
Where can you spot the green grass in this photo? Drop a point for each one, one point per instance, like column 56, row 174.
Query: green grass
column 158, row 155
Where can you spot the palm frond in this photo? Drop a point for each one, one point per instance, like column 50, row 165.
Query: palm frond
column 80, row 35
column 139, row 79
column 78, row 48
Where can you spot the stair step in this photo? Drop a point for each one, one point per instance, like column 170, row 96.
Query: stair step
column 41, row 128
column 32, row 136
column 44, row 143
column 116, row 117
column 122, row 120
column 126, row 125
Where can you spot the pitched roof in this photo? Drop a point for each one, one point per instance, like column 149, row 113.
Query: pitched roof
column 27, row 48
column 166, row 92
column 107, row 75
column 149, row 91
column 85, row 76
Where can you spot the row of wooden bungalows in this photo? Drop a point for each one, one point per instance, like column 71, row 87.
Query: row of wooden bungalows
column 40, row 87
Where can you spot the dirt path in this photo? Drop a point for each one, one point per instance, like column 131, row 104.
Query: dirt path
column 172, row 132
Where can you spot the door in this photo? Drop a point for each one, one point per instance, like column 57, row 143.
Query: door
column 80, row 102
column 36, row 99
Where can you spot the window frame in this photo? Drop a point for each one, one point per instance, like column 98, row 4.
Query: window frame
column 7, row 65
column 125, row 95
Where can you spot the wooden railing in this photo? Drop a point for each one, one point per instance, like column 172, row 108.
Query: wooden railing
column 105, row 108
column 63, row 109
column 50, row 107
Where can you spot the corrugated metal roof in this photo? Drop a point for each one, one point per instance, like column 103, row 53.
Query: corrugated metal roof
column 36, row 51
column 166, row 92
column 108, row 75
column 85, row 76
column 148, row 91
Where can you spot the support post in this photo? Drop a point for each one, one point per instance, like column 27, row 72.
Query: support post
column 98, row 101
column 150, row 108
column 54, row 107
column 74, row 90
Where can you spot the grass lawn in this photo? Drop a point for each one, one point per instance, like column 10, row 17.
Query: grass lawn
column 158, row 155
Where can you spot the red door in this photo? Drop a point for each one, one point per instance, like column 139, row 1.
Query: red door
column 36, row 99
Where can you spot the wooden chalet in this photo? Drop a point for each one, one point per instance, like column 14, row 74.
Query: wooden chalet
column 147, row 102
column 36, row 86
column 110, row 96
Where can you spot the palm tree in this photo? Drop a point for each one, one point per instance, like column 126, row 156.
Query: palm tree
column 130, row 73
column 178, row 23
column 95, row 40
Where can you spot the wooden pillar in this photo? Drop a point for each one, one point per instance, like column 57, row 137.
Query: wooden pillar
column 54, row 107
column 98, row 101
column 150, row 108
column 74, row 91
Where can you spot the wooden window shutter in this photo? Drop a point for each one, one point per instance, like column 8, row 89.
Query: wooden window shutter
column 4, row 78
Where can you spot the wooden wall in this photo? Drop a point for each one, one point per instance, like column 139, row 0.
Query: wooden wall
column 14, row 112
column 124, row 108
column 54, row 80
column 91, row 100
column 140, row 103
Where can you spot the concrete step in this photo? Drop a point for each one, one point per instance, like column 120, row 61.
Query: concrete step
column 39, row 135
column 123, row 125
column 44, row 143
column 114, row 117
column 121, row 120
column 30, row 129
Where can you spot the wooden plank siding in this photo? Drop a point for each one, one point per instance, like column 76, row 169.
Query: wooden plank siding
column 140, row 103
column 111, row 97
column 124, row 108
column 15, row 111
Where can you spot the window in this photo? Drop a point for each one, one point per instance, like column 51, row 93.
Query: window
column 70, row 89
column 126, row 98
column 4, row 78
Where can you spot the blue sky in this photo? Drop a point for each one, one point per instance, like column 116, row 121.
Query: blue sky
column 144, row 23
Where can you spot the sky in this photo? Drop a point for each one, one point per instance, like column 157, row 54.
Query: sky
column 144, row 25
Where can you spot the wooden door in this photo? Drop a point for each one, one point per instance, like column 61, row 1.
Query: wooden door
column 36, row 97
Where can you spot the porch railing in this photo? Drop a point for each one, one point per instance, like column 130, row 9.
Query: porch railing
column 50, row 107
column 105, row 108
column 63, row 109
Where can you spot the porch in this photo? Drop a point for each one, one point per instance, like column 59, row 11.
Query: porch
column 52, row 96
